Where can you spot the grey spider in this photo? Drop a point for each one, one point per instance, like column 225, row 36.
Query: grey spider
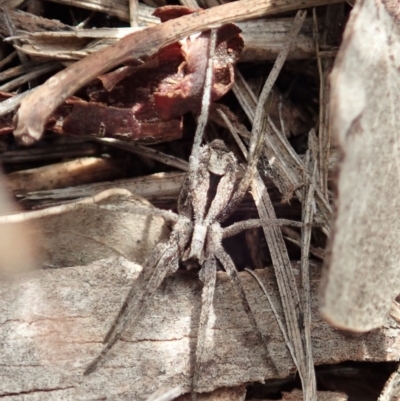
column 196, row 235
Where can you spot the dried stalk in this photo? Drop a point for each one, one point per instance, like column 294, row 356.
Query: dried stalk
column 118, row 9
column 147, row 152
column 32, row 74
column 310, row 384
column 134, row 13
column 287, row 163
column 285, row 278
column 293, row 334
column 18, row 217
column 263, row 39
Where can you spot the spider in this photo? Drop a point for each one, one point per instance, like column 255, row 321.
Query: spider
column 196, row 237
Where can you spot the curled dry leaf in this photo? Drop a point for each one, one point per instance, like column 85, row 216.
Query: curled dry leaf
column 145, row 101
column 362, row 270
column 37, row 107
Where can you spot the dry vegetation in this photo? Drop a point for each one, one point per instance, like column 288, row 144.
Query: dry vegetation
column 92, row 103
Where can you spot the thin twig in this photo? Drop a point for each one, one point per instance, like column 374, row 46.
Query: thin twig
column 145, row 151
column 32, row 74
column 7, row 59
column 310, row 385
column 205, row 107
column 275, row 312
column 323, row 178
column 18, row 217
column 134, row 13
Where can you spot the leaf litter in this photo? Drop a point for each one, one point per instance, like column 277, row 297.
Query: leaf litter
column 281, row 168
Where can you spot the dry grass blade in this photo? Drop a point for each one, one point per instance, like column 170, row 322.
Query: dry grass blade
column 148, row 152
column 34, row 73
column 263, row 40
column 284, row 276
column 309, row 384
column 324, row 131
column 37, row 108
column 18, row 217
column 281, row 324
column 292, row 306
column 287, row 163
column 286, row 281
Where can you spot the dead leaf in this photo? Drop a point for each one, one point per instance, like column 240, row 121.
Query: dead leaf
column 36, row 108
column 362, row 268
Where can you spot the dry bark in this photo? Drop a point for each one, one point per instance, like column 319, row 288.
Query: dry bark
column 362, row 268
column 60, row 175
column 53, row 322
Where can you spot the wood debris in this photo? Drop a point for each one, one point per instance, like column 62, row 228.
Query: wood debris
column 64, row 316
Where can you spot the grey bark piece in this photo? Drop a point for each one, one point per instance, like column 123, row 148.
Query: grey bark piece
column 362, row 265
column 53, row 321
column 88, row 234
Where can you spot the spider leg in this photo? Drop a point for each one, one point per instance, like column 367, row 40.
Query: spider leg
column 156, row 262
column 166, row 256
column 208, row 275
column 230, row 268
column 255, row 149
